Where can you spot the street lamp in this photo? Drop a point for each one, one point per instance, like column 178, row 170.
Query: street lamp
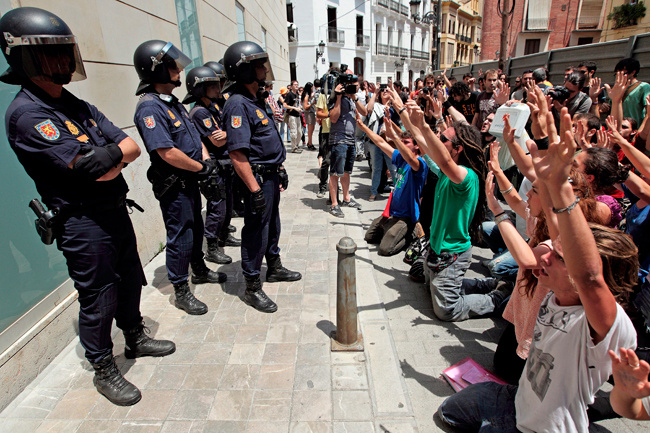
column 399, row 63
column 320, row 49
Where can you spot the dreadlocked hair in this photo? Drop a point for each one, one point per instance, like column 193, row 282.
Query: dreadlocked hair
column 587, row 204
column 473, row 157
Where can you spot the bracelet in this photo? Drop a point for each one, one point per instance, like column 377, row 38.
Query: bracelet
column 439, row 121
column 567, row 209
column 542, row 143
column 498, row 215
column 401, row 110
column 508, row 190
column 501, row 219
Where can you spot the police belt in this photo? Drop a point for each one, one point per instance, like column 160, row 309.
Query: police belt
column 263, row 169
column 71, row 210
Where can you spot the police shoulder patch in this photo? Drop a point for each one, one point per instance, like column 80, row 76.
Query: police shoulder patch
column 207, row 122
column 48, row 130
column 235, row 121
column 149, row 122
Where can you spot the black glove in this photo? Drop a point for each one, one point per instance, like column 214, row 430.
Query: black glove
column 258, row 202
column 208, row 167
column 96, row 161
column 284, row 178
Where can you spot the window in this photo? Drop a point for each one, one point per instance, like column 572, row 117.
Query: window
column 241, row 28
column 444, row 23
column 450, row 53
column 263, row 38
column 292, row 71
column 585, row 41
column 532, row 46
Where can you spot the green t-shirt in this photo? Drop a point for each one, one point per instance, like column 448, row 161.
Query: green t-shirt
column 322, row 104
column 634, row 103
column 453, row 211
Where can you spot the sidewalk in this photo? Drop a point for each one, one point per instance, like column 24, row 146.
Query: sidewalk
column 238, row 370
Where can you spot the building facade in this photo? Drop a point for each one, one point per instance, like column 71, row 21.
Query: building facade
column 460, row 32
column 624, row 22
column 377, row 39
column 542, row 25
column 39, row 303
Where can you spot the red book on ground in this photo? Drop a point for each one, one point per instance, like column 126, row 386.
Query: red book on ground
column 468, row 372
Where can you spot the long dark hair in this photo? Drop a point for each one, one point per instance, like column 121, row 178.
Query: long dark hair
column 307, row 91
column 473, row 158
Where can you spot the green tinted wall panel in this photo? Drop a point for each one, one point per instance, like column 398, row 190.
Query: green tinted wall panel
column 188, row 28
column 30, row 270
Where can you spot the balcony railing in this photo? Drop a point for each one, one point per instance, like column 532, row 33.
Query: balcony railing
column 404, row 10
column 403, row 52
column 335, row 35
column 383, row 3
column 421, row 55
column 363, row 41
column 394, row 5
column 382, row 49
column 393, row 50
column 462, row 38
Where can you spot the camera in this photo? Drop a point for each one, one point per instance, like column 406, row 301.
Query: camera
column 350, row 82
column 383, row 87
column 426, row 90
column 560, row 94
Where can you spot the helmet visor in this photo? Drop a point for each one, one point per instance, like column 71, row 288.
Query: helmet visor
column 59, row 62
column 267, row 65
column 171, row 57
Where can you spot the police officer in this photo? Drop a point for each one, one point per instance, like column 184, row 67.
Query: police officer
column 178, row 162
column 204, row 88
column 257, row 153
column 75, row 156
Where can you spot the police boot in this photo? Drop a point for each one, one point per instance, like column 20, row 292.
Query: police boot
column 137, row 344
column 230, row 241
column 276, row 272
column 186, row 301
column 256, row 298
column 201, row 274
column 111, row 384
column 215, row 253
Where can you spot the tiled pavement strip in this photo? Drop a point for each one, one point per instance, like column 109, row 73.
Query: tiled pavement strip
column 238, row 370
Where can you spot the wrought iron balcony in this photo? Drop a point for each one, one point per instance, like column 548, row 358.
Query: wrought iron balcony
column 382, row 49
column 335, row 36
column 363, row 41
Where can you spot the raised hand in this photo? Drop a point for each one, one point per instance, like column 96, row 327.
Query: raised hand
column 508, row 130
column 555, row 166
column 415, row 113
column 495, row 146
column 595, row 88
column 603, row 139
column 620, row 86
column 492, row 201
column 502, row 92
column 630, row 373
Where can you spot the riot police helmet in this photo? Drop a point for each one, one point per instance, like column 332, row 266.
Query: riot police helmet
column 197, row 81
column 39, row 45
column 152, row 60
column 241, row 60
column 217, row 68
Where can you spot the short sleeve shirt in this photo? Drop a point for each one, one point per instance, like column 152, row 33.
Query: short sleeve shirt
column 163, row 122
column 207, row 120
column 322, row 104
column 405, row 202
column 250, row 130
column 47, row 134
column 291, row 99
column 485, row 105
column 634, row 103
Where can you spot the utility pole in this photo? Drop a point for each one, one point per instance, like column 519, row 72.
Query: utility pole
column 503, row 49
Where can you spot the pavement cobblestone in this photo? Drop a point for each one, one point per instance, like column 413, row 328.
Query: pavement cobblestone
column 238, row 370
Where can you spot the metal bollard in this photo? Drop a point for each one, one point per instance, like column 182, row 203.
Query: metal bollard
column 346, row 338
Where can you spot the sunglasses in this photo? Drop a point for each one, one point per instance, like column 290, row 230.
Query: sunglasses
column 444, row 138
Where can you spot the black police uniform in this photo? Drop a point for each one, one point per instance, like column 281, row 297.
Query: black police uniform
column 250, row 130
column 218, row 211
column 163, row 122
column 95, row 232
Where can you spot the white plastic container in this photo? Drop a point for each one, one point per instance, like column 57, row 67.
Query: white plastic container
column 519, row 114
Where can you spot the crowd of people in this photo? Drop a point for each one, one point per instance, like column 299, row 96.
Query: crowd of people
column 562, row 204
column 571, row 280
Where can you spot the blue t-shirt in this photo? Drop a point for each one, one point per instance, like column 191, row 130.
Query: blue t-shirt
column 250, row 130
column 408, row 187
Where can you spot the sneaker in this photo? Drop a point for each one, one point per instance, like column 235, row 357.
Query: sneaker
column 296, row 150
column 372, row 198
column 321, row 193
column 351, row 203
column 336, row 211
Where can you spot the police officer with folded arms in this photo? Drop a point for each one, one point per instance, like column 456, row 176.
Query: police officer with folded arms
column 75, row 156
column 178, row 162
column 257, row 153
column 204, row 88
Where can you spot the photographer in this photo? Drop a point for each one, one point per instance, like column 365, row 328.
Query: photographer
column 343, row 106
column 570, row 96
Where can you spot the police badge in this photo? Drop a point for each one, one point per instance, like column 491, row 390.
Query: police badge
column 235, row 121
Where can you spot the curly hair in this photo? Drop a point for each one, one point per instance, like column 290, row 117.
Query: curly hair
column 473, row 157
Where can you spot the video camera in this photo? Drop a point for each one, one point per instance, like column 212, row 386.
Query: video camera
column 350, row 82
column 560, row 94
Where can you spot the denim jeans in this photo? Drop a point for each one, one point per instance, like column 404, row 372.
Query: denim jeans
column 503, row 265
column 377, row 158
column 456, row 298
column 284, row 126
column 483, row 407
